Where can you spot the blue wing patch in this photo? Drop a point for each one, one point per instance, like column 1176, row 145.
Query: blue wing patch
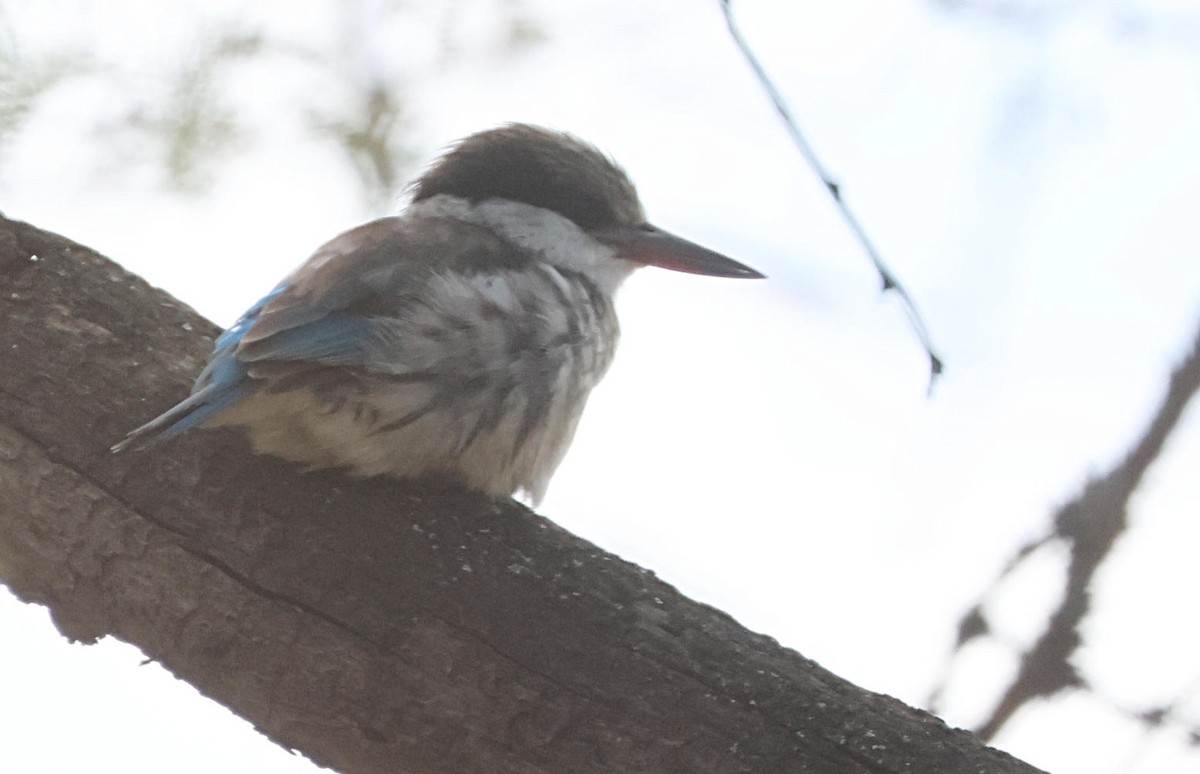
column 338, row 338
column 222, row 383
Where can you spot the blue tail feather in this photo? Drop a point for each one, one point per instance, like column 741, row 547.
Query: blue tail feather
column 222, row 384
column 333, row 338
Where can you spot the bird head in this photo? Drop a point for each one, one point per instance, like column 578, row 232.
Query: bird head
column 563, row 200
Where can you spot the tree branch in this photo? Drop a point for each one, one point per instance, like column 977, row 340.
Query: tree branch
column 374, row 625
column 1089, row 526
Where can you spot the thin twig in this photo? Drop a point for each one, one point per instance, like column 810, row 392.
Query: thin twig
column 890, row 282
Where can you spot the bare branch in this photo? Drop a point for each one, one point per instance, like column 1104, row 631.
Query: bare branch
column 889, row 280
column 1089, row 526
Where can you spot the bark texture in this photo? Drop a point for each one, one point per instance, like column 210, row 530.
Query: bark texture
column 375, row 626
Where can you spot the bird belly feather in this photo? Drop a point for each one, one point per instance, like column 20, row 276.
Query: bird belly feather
column 484, row 380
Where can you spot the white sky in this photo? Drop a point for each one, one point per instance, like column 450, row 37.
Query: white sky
column 767, row 447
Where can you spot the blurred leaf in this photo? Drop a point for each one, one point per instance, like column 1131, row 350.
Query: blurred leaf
column 372, row 139
column 23, row 80
column 194, row 125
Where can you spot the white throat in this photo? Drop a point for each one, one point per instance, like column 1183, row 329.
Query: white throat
column 555, row 239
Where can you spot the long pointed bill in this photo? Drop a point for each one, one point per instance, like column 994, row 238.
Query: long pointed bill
column 655, row 247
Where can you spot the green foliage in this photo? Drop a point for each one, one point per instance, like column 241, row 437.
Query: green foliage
column 185, row 118
column 193, row 124
column 24, row 79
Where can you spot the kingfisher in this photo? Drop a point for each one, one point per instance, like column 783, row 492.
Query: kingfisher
column 459, row 338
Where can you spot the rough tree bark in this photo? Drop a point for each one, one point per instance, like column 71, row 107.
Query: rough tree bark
column 375, row 626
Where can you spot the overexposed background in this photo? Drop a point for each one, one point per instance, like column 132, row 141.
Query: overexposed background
column 1029, row 169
